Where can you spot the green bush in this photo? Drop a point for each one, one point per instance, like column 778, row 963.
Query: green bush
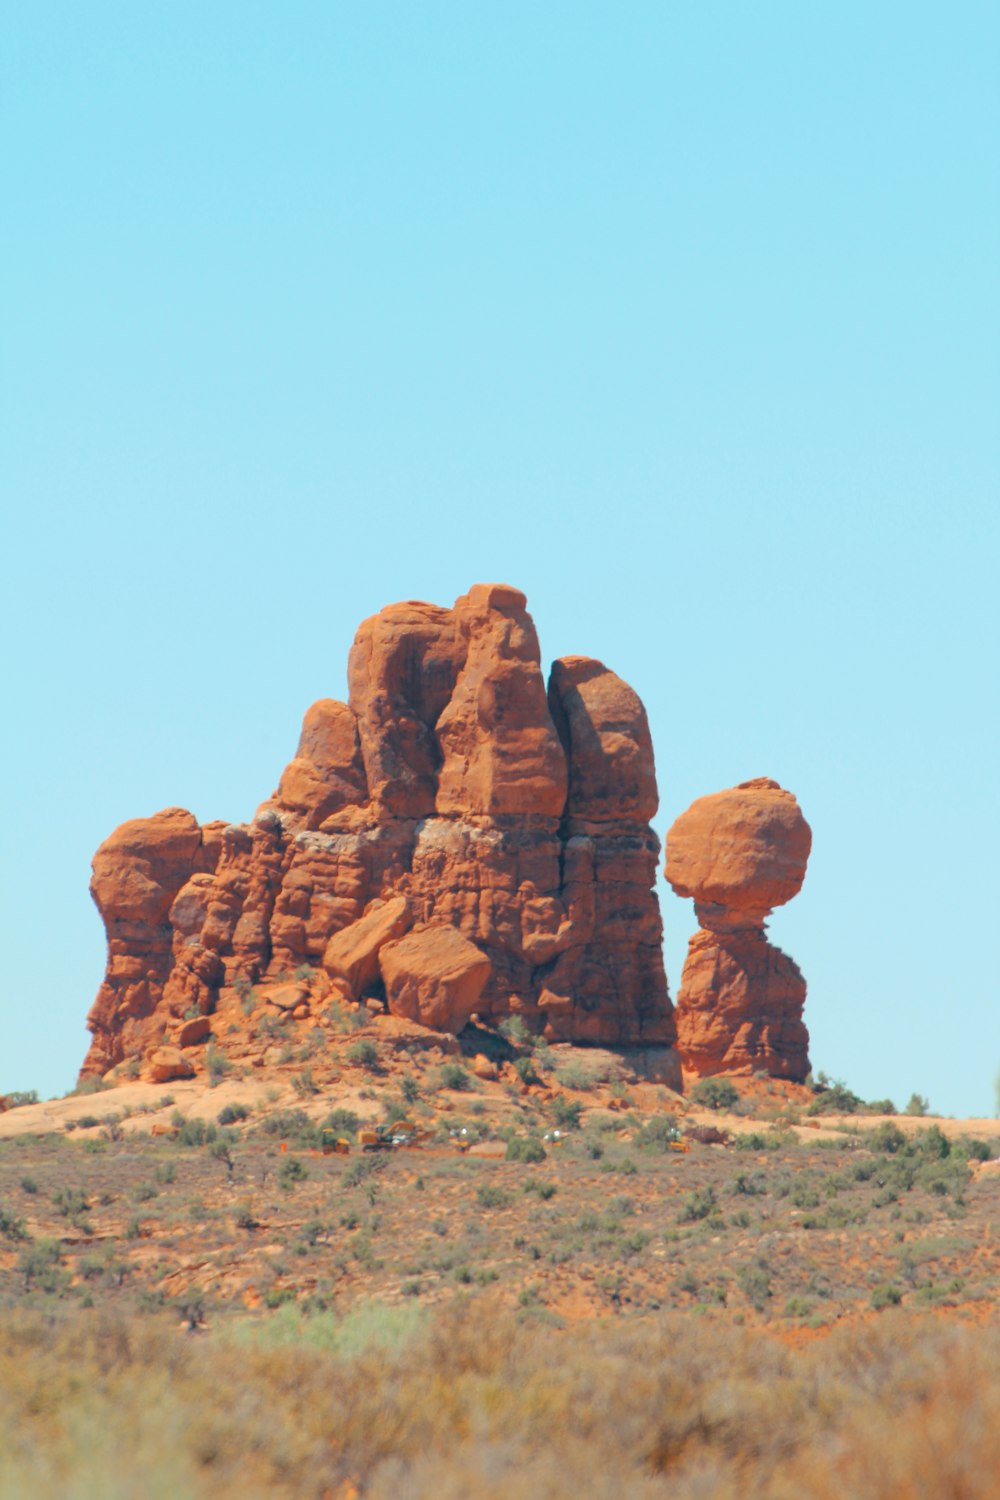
column 291, row 1171
column 11, row 1227
column 886, row 1137
column 490, row 1196
column 343, row 1121
column 834, row 1098
column 917, row 1105
column 885, row 1295
column 566, row 1113
column 715, row 1093
column 659, row 1133
column 698, row 1205
column 230, row 1113
column 526, row 1148
column 363, row 1053
column 451, row 1075
column 217, row 1063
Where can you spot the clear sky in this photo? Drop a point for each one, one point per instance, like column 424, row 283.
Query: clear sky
column 682, row 318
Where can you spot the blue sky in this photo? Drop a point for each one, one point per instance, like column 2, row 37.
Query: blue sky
column 682, row 319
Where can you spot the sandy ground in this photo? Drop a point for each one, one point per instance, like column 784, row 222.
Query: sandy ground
column 144, row 1105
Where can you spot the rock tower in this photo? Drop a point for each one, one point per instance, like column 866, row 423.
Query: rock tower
column 739, row 854
column 457, row 837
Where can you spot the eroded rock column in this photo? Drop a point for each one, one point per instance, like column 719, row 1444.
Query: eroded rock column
column 738, row 854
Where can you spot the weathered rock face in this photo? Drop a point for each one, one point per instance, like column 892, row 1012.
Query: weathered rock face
column 453, row 794
column 740, row 853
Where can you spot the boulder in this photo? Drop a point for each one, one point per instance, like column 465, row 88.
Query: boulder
column 167, row 1063
column 353, row 953
column 434, row 976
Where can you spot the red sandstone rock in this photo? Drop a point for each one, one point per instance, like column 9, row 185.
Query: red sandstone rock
column 167, row 1063
column 452, row 792
column 502, row 754
column 603, row 725
column 353, row 953
column 434, row 976
column 739, row 853
column 197, row 1029
column 744, row 850
column 138, row 871
column 327, row 774
column 739, row 1009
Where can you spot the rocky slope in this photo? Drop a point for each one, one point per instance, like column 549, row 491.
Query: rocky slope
column 740, row 853
column 457, row 838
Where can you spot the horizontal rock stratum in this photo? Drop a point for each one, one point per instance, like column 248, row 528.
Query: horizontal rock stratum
column 459, row 837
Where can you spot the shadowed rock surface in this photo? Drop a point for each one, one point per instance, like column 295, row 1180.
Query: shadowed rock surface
column 454, row 790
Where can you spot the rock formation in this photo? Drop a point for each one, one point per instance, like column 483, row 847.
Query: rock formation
column 740, row 853
column 453, row 839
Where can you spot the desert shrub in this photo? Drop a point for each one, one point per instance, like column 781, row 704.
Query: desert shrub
column 698, row 1205
column 715, row 1093
column 196, row 1133
column 757, row 1140
column 229, row 1114
column 886, row 1137
column 516, row 1032
column 525, row 1069
column 305, row 1084
column 363, row 1053
column 291, row 1125
column 917, row 1105
column 17, row 1098
column 488, row 1195
column 291, row 1171
column 451, row 1075
column 658, row 1134
column 881, row 1106
column 11, row 1227
column 886, row 1294
column 933, row 1143
column 409, row 1088
column 469, row 1400
column 71, row 1202
column 343, row 1121
column 566, row 1112
column 754, row 1282
column 573, row 1075
column 834, row 1098
column 526, row 1148
column 38, row 1263
column 971, row 1148
column 217, row 1063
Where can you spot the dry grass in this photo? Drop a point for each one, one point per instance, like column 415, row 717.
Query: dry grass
column 473, row 1401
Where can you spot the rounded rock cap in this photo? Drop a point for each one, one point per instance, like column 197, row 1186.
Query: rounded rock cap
column 744, row 850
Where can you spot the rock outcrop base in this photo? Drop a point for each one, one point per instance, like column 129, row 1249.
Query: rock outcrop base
column 457, row 838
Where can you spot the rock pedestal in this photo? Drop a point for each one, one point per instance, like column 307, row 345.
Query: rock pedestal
column 738, row 854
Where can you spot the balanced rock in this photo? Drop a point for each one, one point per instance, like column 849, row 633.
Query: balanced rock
column 739, row 853
column 456, row 792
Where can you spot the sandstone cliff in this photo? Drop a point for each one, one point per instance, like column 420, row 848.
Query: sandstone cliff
column 457, row 838
column 739, row 854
